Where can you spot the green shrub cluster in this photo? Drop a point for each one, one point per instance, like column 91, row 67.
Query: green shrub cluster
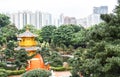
column 15, row 72
column 60, row 68
column 37, row 73
column 3, row 73
column 55, row 59
column 9, row 68
column 6, row 73
column 3, row 65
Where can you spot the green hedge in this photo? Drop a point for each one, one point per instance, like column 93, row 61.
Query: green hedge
column 4, row 70
column 60, row 68
column 3, row 66
column 3, row 73
column 15, row 72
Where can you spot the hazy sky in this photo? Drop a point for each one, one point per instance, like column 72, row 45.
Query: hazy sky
column 75, row 8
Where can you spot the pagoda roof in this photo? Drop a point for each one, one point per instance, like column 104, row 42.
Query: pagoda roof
column 27, row 33
column 27, row 48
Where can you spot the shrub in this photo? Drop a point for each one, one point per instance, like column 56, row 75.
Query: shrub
column 3, row 73
column 9, row 68
column 1, row 64
column 4, row 66
column 60, row 68
column 15, row 72
column 37, row 73
column 55, row 59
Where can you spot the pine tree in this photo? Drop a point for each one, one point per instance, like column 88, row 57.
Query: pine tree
column 101, row 58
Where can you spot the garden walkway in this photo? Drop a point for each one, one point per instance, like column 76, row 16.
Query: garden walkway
column 62, row 74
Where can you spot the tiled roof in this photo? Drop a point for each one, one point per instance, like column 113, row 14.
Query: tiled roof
column 27, row 33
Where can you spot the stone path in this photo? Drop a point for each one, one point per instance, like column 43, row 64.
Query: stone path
column 62, row 74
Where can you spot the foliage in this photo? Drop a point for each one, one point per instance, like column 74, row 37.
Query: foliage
column 2, row 38
column 8, row 53
column 55, row 59
column 99, row 60
column 44, row 51
column 102, row 54
column 6, row 73
column 66, row 35
column 15, row 72
column 4, row 20
column 75, row 63
column 77, row 28
column 8, row 33
column 46, row 33
column 2, row 64
column 112, row 20
column 38, row 38
column 62, row 35
column 79, row 39
column 97, row 32
column 21, row 58
column 37, row 73
column 11, row 45
column 3, row 73
column 60, row 68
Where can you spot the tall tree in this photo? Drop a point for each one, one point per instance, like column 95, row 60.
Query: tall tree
column 79, row 39
column 4, row 20
column 112, row 20
column 46, row 33
column 9, row 50
column 21, row 58
column 77, row 28
column 101, row 58
column 62, row 35
column 97, row 32
column 8, row 33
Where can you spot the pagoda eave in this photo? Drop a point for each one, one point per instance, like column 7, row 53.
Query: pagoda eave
column 27, row 34
column 28, row 48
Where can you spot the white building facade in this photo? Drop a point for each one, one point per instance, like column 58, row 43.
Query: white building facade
column 37, row 19
column 94, row 18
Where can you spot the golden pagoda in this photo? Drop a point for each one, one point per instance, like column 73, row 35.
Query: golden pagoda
column 27, row 41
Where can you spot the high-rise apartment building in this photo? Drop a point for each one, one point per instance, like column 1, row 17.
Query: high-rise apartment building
column 33, row 19
column 20, row 20
column 65, row 20
column 61, row 20
column 100, row 10
column 82, row 22
column 37, row 19
column 46, row 19
column 69, row 20
column 94, row 18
